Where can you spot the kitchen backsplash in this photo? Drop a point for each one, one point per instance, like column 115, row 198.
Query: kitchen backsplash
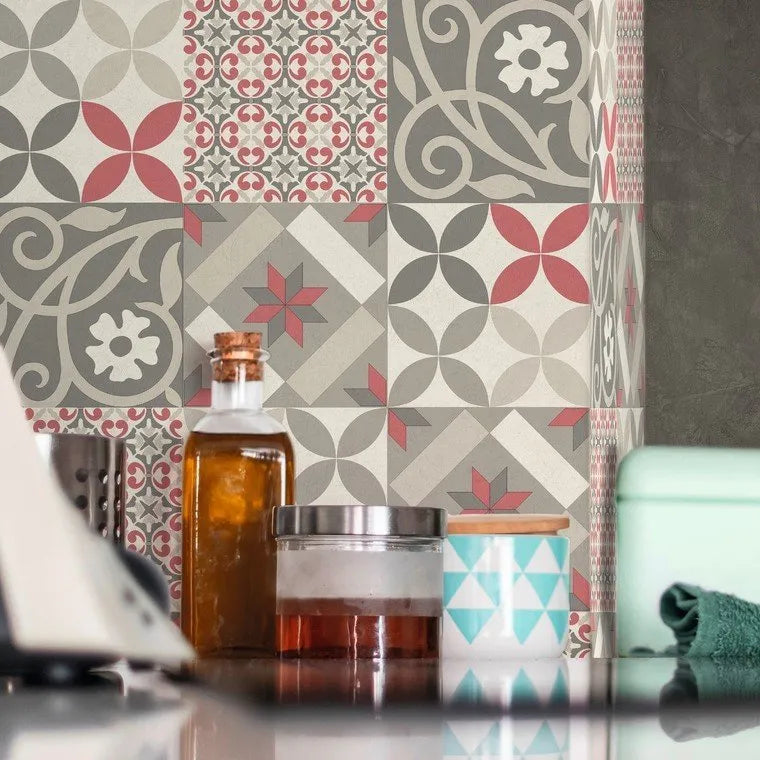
column 432, row 209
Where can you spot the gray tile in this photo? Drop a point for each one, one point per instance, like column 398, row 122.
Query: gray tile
column 525, row 460
column 90, row 312
column 311, row 278
column 488, row 101
column 605, row 254
column 630, row 338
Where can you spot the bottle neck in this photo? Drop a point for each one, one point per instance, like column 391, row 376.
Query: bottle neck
column 238, row 394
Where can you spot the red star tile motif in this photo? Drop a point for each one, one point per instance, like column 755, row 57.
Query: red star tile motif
column 284, row 305
column 376, row 392
column 489, row 496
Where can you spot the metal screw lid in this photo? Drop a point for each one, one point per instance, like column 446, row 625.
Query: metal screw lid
column 359, row 520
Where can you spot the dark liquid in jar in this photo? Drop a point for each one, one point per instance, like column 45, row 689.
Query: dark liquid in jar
column 355, row 629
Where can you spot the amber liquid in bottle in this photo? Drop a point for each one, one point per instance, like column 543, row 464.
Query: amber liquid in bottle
column 238, row 465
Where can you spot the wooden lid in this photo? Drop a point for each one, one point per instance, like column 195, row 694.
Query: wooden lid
column 507, row 524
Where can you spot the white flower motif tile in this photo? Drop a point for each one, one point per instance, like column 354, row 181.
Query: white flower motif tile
column 96, row 303
column 530, row 57
column 474, row 90
column 488, row 305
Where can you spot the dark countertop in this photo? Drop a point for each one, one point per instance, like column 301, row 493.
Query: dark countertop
column 325, row 710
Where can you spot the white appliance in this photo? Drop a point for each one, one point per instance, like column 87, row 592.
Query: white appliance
column 67, row 602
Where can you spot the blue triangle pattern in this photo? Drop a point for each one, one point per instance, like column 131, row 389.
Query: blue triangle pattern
column 525, row 548
column 544, row 742
column 470, row 548
column 559, row 620
column 469, row 689
column 525, row 621
column 523, row 690
column 451, row 745
column 559, row 550
column 451, row 583
column 543, row 584
column 559, row 694
column 491, row 745
column 491, row 584
column 470, row 622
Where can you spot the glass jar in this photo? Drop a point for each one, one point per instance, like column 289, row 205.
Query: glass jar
column 359, row 582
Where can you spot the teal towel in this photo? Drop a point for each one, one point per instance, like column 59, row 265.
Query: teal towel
column 711, row 624
column 706, row 682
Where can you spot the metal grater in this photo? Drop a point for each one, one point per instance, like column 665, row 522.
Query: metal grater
column 90, row 471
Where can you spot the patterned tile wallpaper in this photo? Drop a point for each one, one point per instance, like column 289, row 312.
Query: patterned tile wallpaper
column 432, row 210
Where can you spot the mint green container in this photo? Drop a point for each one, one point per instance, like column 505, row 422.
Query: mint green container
column 683, row 514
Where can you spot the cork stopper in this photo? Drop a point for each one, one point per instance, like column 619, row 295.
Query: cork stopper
column 235, row 352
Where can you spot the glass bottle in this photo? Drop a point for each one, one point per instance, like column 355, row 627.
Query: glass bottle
column 238, row 465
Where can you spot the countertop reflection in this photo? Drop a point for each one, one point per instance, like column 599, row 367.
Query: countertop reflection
column 266, row 709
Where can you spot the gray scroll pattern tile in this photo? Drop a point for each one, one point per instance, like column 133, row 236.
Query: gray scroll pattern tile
column 311, row 277
column 605, row 248
column 90, row 308
column 488, row 100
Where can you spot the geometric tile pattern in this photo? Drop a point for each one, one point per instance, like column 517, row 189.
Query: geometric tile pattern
column 604, row 460
column 498, row 460
column 341, row 454
column 153, row 439
column 311, row 277
column 630, row 430
column 285, row 102
column 90, row 100
column 630, row 95
column 629, row 307
column 478, row 130
column 488, row 305
column 603, row 101
column 429, row 208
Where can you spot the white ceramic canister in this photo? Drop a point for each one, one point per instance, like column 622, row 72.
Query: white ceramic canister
column 506, row 587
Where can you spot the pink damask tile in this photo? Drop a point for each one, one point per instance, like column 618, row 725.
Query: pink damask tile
column 630, row 86
column 154, row 439
column 581, row 630
column 285, row 101
column 603, row 101
column 603, row 468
